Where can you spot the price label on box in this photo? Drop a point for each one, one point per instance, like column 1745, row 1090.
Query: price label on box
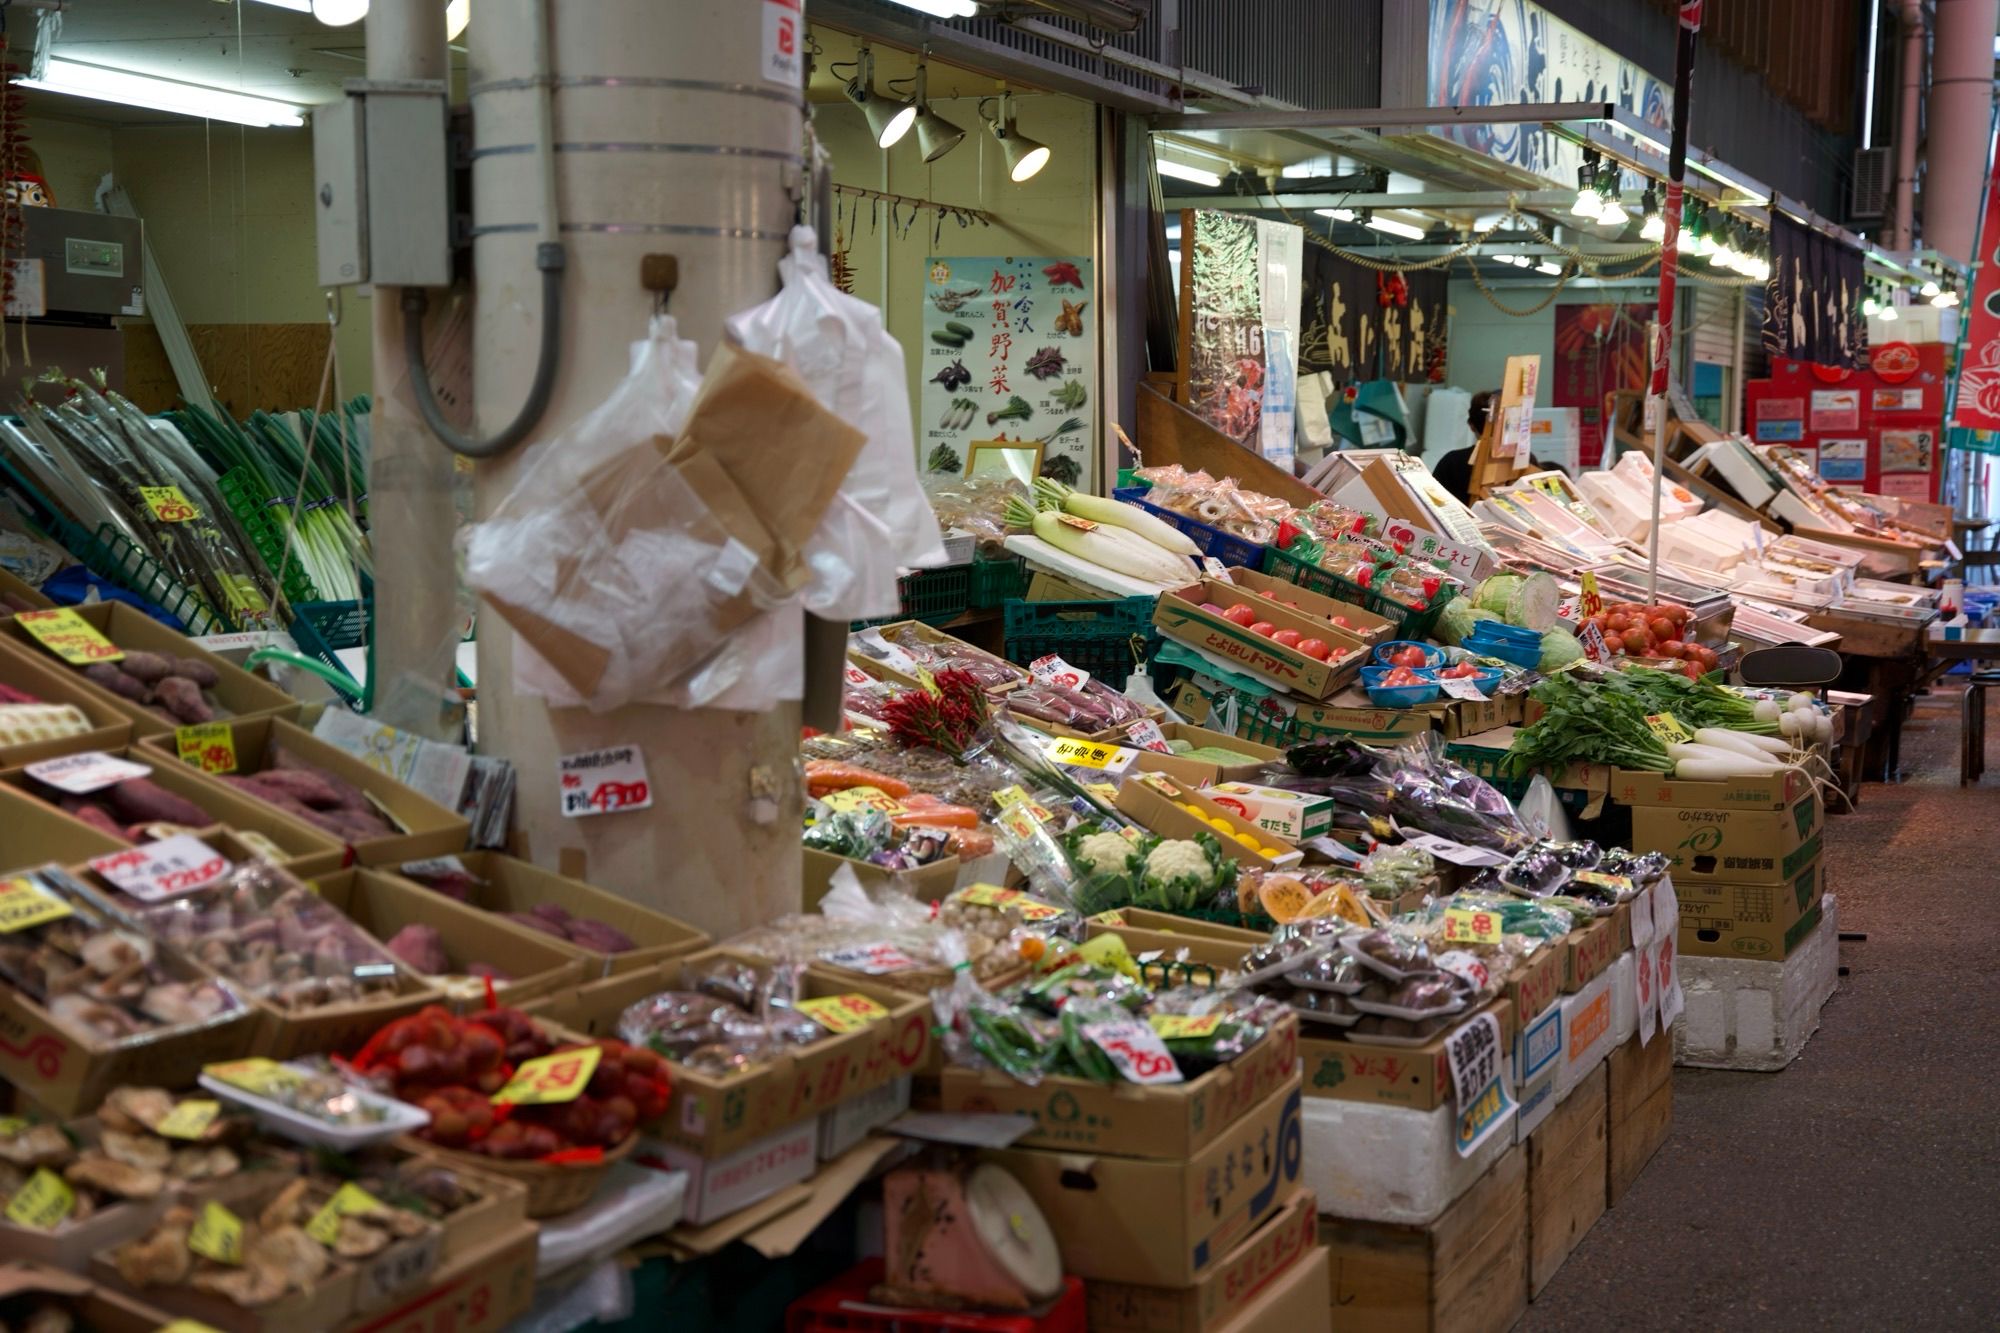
column 602, row 782
column 874, row 959
column 843, row 1013
column 1470, row 926
column 1146, row 734
column 189, row 1119
column 561, row 1077
column 166, row 869
column 1136, row 1050
column 69, row 636
column 1091, row 754
column 1669, row 728
column 1175, row 1027
column 208, row 746
column 43, row 1203
column 861, row 798
column 1462, row 687
column 259, row 1077
column 24, row 903
column 168, row 504
column 81, row 774
column 217, row 1235
column 1483, row 1104
column 1052, row 670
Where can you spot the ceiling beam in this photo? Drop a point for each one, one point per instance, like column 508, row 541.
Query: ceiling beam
column 1529, row 200
column 1376, row 118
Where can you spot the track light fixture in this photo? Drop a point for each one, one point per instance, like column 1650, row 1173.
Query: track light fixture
column 1025, row 156
column 936, row 136
column 889, row 118
column 1654, row 225
column 1589, row 203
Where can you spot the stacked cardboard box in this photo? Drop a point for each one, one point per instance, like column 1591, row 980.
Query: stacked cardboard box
column 1639, row 1110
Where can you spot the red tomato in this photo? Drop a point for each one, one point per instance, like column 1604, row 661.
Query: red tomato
column 1412, row 656
column 1614, row 643
column 1402, row 676
column 1315, row 649
column 1268, row 593
column 1662, row 628
column 1668, row 648
column 1342, row 622
column 1461, row 671
column 1692, row 670
column 1618, row 624
column 1240, row 614
column 1264, row 627
column 1288, row 637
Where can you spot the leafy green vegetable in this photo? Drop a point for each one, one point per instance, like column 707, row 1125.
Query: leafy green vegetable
column 1587, row 720
column 1559, row 649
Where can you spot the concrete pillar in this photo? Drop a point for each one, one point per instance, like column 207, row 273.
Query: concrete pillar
column 1909, row 102
column 1961, row 125
column 675, row 135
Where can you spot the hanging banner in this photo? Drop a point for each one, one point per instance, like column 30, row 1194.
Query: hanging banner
column 1599, row 349
column 1812, row 306
column 1009, row 353
column 1977, row 406
column 1240, row 286
column 1364, row 325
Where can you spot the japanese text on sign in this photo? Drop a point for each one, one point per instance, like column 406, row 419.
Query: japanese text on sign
column 1136, row 1050
column 1146, row 734
column 1467, row 926
column 168, row 504
column 1176, row 1026
column 1669, row 728
column 189, row 1119
column 208, row 746
column 164, row 869
column 1052, row 670
column 842, row 1013
column 81, row 774
column 43, row 1203
column 69, row 636
column 861, row 798
column 1091, row 754
column 874, row 959
column 561, row 1077
column 1483, row 1103
column 23, row 903
column 217, row 1235
column 260, row 1077
column 599, row 782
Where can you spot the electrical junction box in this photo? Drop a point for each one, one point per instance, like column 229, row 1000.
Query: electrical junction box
column 340, row 193
column 382, row 172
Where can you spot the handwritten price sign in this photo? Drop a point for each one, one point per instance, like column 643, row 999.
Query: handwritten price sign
column 843, row 1013
column 164, row 869
column 81, row 774
column 1052, row 670
column 1468, row 926
column 23, row 903
column 1137, row 1051
column 69, row 636
column 208, row 746
column 602, row 782
column 561, row 1077
column 168, row 504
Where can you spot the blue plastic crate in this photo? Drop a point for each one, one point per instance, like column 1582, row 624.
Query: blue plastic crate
column 1210, row 540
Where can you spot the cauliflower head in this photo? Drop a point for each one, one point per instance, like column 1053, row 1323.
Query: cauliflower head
column 1104, row 853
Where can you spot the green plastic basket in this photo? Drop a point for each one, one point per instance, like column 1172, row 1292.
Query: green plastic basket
column 260, row 514
column 1409, row 624
column 111, row 555
column 994, row 582
column 1105, row 638
column 935, row 595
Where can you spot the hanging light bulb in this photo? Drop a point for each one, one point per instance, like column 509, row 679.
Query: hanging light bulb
column 457, row 14
column 1611, row 214
column 889, row 117
column 340, row 13
column 1930, row 288
column 1024, row 156
column 1889, row 310
column 1589, row 203
column 1945, row 299
column 1869, row 305
column 1654, row 226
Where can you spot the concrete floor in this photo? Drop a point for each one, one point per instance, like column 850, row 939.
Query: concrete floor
column 1859, row 1188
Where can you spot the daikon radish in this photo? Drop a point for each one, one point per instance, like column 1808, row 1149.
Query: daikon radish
column 1116, row 514
column 1737, row 740
column 1745, row 764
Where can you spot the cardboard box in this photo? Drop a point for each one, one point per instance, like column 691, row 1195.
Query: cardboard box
column 1363, row 624
column 1297, row 1302
column 719, row 1186
column 1461, row 1274
column 1179, row 616
column 713, row 1116
column 1351, row 714
column 1154, row 801
column 1168, row 946
column 881, row 670
column 1566, row 1172
column 850, row 1122
column 304, row 850
column 1293, row 816
column 1777, row 791
column 480, row 1291
column 1165, row 1222
column 71, row 1244
column 1732, row 844
column 36, row 833
column 1639, row 1109
column 1538, row 1052
column 1588, row 1031
column 429, row 828
column 56, row 682
column 1457, row 719
column 382, row 905
column 1763, row 921
column 1588, row 952
column 1163, row 1120
column 241, row 695
column 13, row 589
column 1537, row 983
column 1358, row 1070
column 1200, row 772
column 1252, row 1270
column 509, row 884
column 93, row 1307
column 925, row 882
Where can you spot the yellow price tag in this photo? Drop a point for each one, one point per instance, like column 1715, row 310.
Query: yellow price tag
column 208, row 746
column 348, row 1199
column 217, row 1235
column 843, row 1013
column 1668, row 728
column 1103, row 791
column 1032, row 910
column 262, row 1078
column 561, row 1077
column 1089, row 754
column 189, row 1119
column 23, row 903
column 986, row 895
column 1464, row 925
column 1110, row 951
column 1114, row 917
column 1619, row 884
column 44, row 1203
column 1589, row 601
column 1175, row 1026
column 69, row 636
column 861, row 798
column 168, row 504
column 13, row 1126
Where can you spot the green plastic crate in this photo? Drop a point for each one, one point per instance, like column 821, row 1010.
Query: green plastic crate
column 260, row 514
column 1105, row 638
column 1409, row 624
column 935, row 595
column 994, row 582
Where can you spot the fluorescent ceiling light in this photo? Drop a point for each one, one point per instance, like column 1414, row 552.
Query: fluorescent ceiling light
column 1507, row 259
column 102, row 84
column 339, row 13
column 1305, row 170
column 296, row 6
column 944, row 9
column 457, row 14
column 1337, row 214
column 1181, row 171
column 1395, row 228
column 1546, row 267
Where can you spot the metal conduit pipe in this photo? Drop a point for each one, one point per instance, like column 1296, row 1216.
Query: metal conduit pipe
column 1909, row 91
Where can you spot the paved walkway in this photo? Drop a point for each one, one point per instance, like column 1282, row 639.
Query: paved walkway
column 1859, row 1188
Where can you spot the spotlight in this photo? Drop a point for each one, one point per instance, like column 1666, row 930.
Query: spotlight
column 936, row 136
column 1654, row 228
column 1025, row 156
column 889, row 118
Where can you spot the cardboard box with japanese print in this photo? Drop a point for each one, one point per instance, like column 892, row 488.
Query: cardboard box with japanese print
column 1732, row 844
column 1255, row 1268
column 1360, row 1070
column 1762, row 921
column 1198, row 770
column 1166, row 1222
column 1179, row 616
column 95, row 724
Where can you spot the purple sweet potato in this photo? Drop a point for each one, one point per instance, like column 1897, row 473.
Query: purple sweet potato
column 97, row 819
column 201, row 673
column 351, row 797
column 273, row 798
column 533, row 922
column 599, row 937
column 143, row 801
column 552, row 913
column 182, row 697
column 352, row 826
column 308, row 789
column 15, row 602
column 421, row 947
column 142, row 665
column 118, row 682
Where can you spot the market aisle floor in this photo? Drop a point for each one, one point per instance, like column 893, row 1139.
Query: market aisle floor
column 1857, row 1188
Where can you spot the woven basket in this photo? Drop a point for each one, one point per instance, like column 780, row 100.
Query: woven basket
column 552, row 1189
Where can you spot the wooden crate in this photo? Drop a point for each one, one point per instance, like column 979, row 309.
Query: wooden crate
column 1566, row 1161
column 1639, row 1109
column 1460, row 1274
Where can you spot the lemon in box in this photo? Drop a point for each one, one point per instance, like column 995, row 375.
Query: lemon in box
column 1291, row 815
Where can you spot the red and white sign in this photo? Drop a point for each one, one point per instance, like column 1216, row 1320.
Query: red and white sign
column 81, row 774
column 1146, row 734
column 1052, row 670
column 165, row 869
column 874, row 959
column 1136, row 1049
column 784, row 45
column 602, row 782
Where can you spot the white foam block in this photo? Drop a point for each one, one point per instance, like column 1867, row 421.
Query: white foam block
column 1624, row 998
column 1589, row 1030
column 1378, row 1163
column 1751, row 1015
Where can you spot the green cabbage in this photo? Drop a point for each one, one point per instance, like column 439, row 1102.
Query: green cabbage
column 1559, row 649
column 1455, row 622
column 1527, row 600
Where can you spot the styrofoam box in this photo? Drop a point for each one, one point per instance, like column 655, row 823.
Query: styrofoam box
column 1624, row 997
column 849, row 1122
column 1376, row 1163
column 720, row 1186
column 1753, row 1015
column 1538, row 1050
column 1588, row 1031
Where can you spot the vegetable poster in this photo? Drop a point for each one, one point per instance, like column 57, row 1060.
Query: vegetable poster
column 1240, row 298
column 1009, row 352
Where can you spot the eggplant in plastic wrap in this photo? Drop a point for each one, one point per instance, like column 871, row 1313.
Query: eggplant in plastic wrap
column 1644, row 869
column 1342, row 758
column 1537, row 873
column 1439, row 797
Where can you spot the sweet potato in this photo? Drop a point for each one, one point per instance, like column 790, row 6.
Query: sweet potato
column 352, row 825
column 182, row 697
column 96, row 818
column 10, row 695
column 421, row 947
column 15, row 602
column 351, row 797
column 107, row 675
column 599, row 937
column 142, row 665
column 308, row 789
column 201, row 673
column 541, row 923
column 250, row 787
column 143, row 801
